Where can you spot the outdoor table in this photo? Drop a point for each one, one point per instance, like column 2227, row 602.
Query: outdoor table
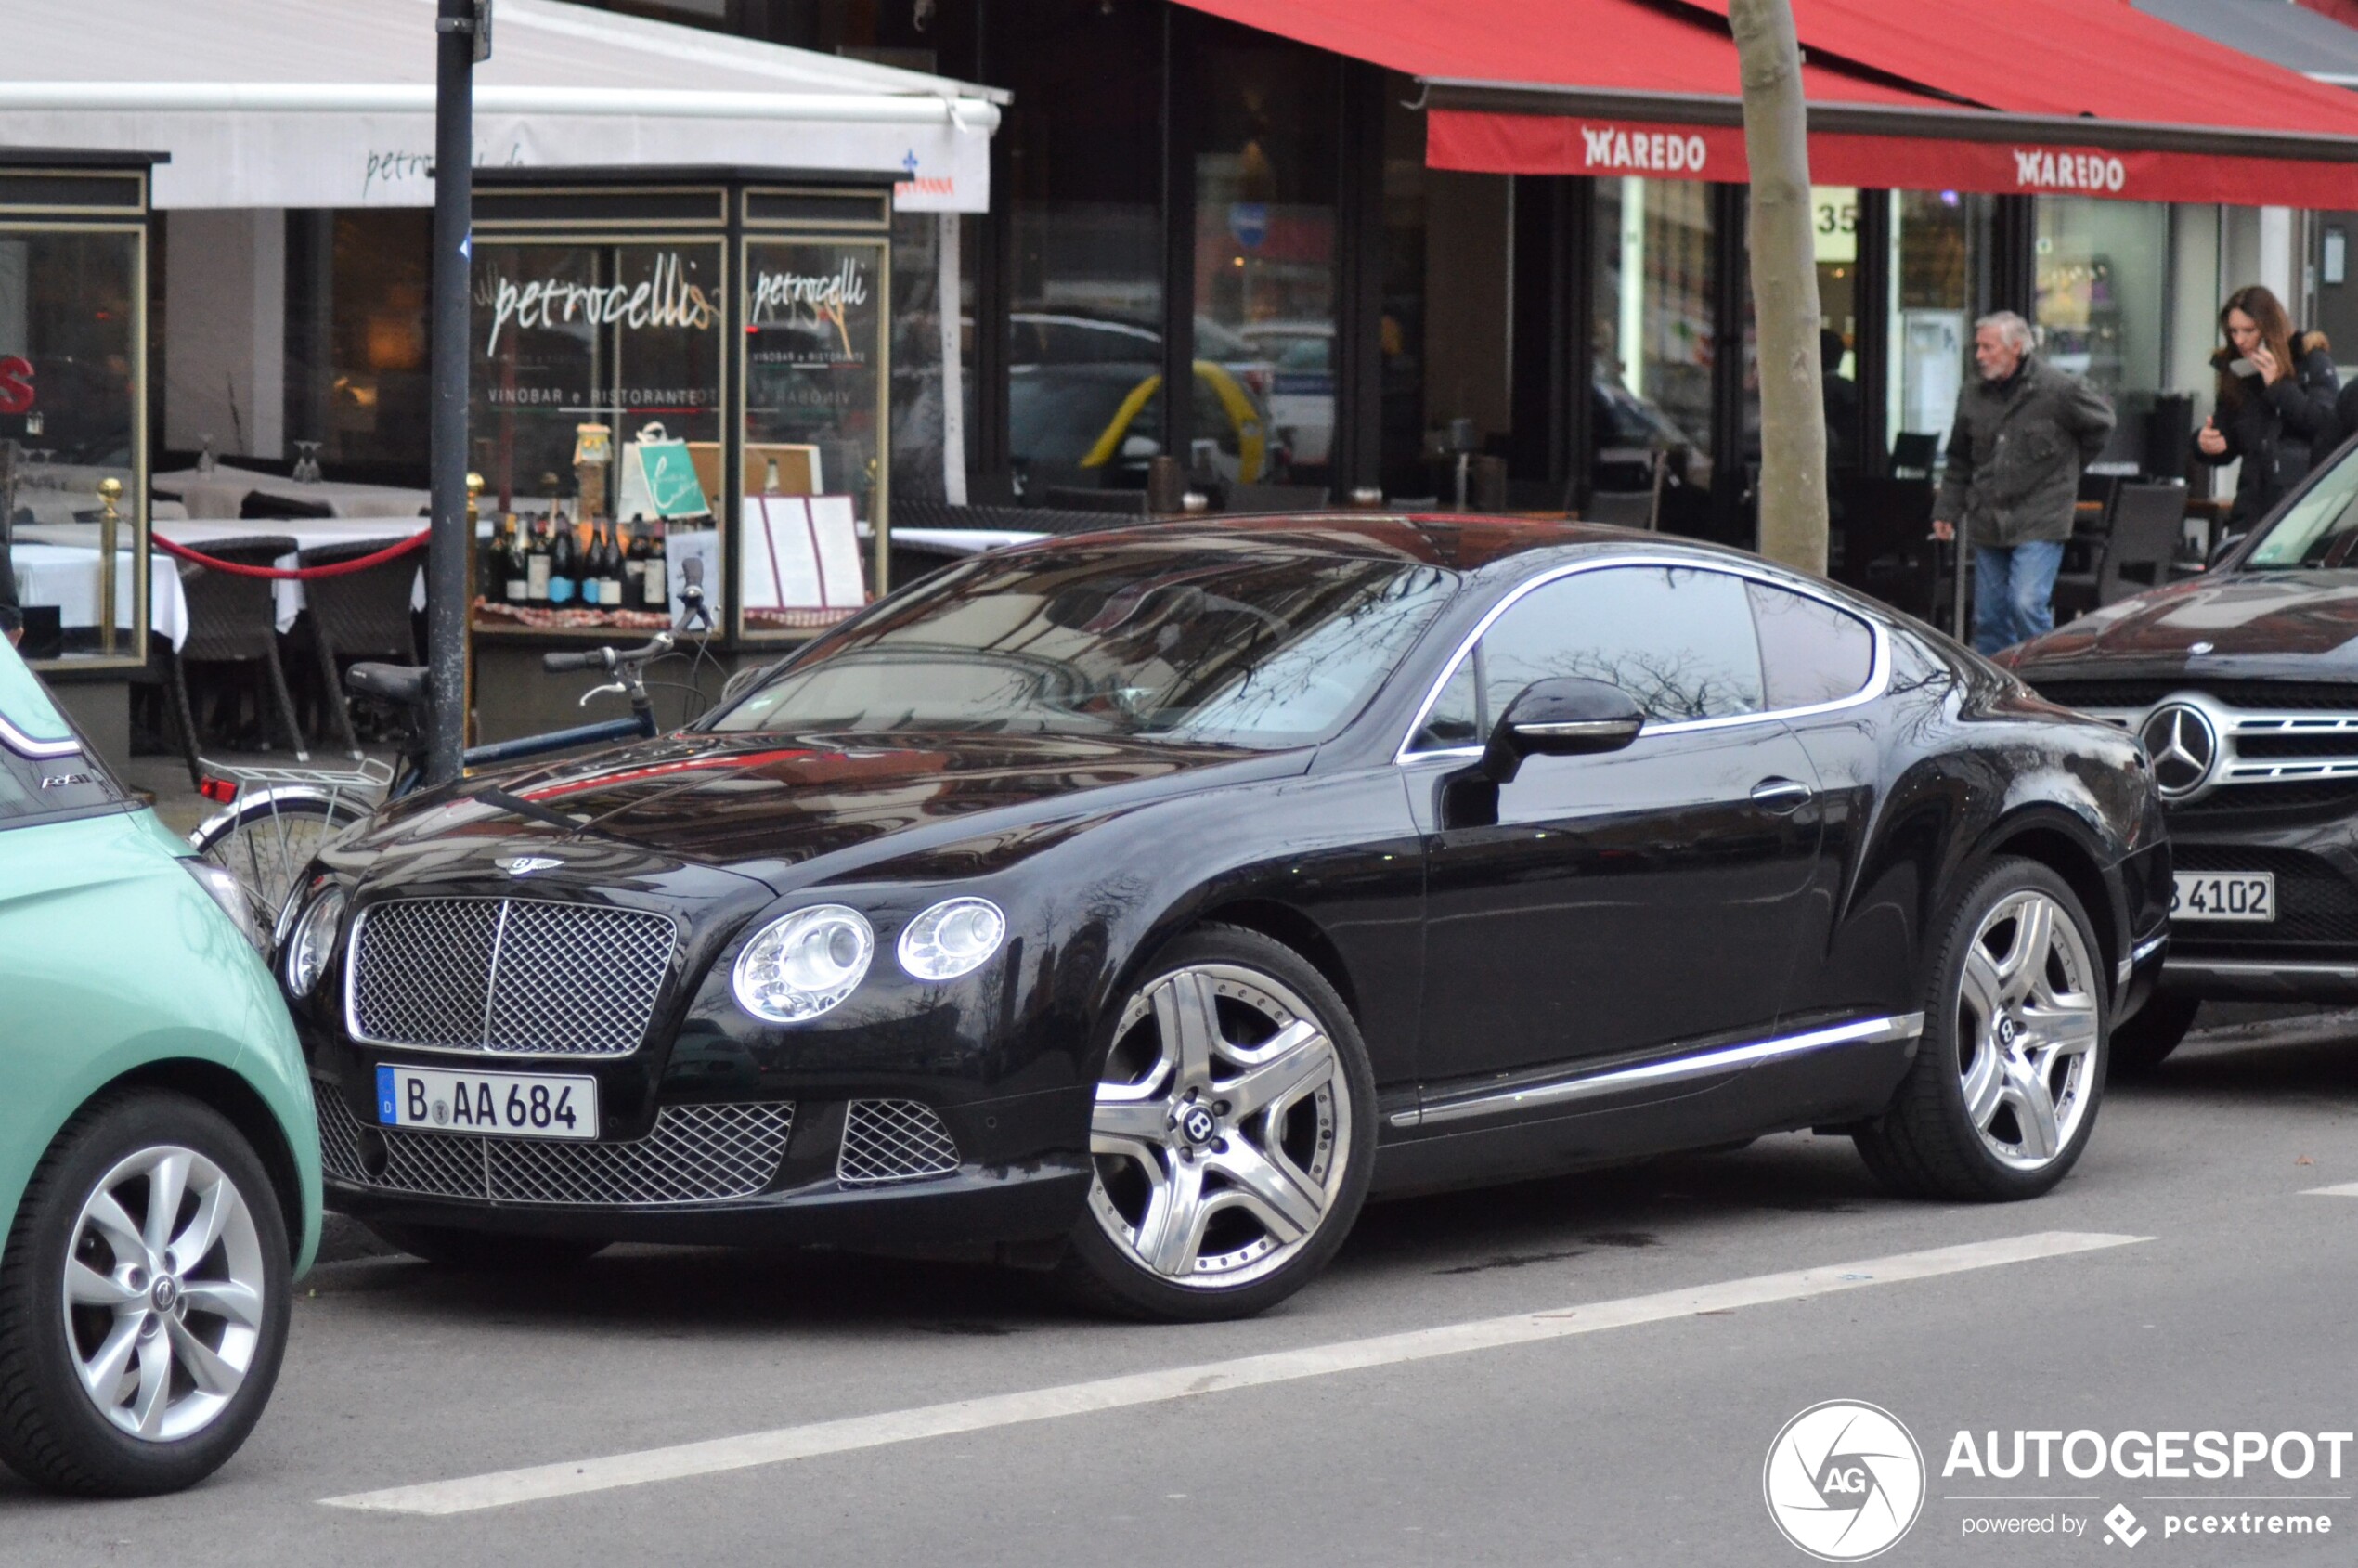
column 308, row 533
column 67, row 576
column 220, row 493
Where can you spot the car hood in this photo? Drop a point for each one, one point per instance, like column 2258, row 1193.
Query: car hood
column 2298, row 625
column 764, row 805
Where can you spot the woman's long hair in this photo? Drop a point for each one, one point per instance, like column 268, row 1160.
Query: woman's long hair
column 2267, row 313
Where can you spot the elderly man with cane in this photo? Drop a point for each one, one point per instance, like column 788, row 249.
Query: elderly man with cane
column 2024, row 431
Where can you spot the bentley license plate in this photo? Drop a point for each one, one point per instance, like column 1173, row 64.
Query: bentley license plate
column 515, row 1105
column 2224, row 895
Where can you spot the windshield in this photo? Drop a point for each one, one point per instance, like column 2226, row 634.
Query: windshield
column 1235, row 642
column 2320, row 529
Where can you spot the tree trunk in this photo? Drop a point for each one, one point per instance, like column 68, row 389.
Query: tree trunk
column 1784, row 287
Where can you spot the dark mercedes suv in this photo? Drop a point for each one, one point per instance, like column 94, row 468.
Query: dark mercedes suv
column 2243, row 685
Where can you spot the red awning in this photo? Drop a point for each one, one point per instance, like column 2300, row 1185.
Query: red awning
column 2022, row 97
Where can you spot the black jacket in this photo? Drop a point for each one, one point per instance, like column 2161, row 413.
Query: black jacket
column 2015, row 453
column 2278, row 430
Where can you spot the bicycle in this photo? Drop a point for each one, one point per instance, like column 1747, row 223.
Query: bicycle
column 277, row 819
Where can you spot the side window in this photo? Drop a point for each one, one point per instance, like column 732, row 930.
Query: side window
column 1810, row 653
column 1680, row 640
column 1455, row 720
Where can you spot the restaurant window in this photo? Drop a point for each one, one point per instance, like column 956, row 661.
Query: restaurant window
column 1401, row 326
column 1652, row 329
column 1264, row 258
column 1938, row 239
column 2103, row 300
column 817, row 374
column 1833, row 240
column 623, row 336
column 73, row 397
column 1084, row 160
column 378, row 391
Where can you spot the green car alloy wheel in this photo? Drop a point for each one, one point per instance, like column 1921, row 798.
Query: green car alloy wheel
column 159, row 1158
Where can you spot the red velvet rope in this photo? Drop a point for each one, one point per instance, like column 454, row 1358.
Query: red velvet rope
column 294, row 574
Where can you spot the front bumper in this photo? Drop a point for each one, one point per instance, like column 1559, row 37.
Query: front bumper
column 2309, row 951
column 895, row 1175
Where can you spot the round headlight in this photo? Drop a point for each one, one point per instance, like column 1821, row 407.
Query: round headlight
column 802, row 963
column 313, row 940
column 952, row 939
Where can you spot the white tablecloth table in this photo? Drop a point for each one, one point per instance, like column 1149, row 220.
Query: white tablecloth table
column 218, row 495
column 308, row 533
column 67, row 576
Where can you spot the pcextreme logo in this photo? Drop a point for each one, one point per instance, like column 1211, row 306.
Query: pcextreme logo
column 1845, row 1481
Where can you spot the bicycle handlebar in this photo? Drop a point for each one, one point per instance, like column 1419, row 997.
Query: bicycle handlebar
column 608, row 658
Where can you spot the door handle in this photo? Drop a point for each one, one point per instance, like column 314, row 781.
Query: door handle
column 1781, row 795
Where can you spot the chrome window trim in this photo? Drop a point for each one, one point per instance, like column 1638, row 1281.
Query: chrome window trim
column 1674, row 1069
column 351, row 948
column 15, row 740
column 1878, row 671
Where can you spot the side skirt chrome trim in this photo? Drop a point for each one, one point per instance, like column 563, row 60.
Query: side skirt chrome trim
column 1565, row 1091
column 2238, row 968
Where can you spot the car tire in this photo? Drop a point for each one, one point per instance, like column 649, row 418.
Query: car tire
column 2142, row 1043
column 479, row 1251
column 157, row 1427
column 1230, row 1164
column 2003, row 1094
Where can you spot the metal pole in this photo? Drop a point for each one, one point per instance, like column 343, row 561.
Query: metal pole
column 446, row 607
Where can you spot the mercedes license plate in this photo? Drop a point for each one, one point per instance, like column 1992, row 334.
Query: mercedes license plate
column 2223, row 895
column 515, row 1105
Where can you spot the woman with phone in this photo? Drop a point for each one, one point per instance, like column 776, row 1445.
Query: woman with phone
column 2275, row 407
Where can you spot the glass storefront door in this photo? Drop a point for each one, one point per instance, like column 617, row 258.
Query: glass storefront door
column 1938, row 238
column 1656, row 271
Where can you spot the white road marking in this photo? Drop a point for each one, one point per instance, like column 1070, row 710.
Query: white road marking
column 504, row 1488
column 2347, row 1190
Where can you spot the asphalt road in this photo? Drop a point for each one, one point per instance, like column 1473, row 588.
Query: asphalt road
column 1640, row 1440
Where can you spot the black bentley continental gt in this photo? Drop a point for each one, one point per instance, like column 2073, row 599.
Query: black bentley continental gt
column 2243, row 685
column 1136, row 904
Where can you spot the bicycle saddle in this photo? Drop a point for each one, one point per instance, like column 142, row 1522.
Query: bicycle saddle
column 401, row 684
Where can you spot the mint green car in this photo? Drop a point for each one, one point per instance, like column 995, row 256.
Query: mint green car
column 159, row 1159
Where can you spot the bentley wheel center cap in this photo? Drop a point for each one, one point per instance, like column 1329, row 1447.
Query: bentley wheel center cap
column 1198, row 1124
column 2006, row 1031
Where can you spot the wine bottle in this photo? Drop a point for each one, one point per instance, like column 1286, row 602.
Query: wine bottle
column 491, row 569
column 539, row 566
column 634, row 567
column 564, row 563
column 609, row 568
column 655, row 587
column 513, row 570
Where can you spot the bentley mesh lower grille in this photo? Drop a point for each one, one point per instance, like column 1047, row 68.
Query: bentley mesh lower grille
column 694, row 1154
column 893, row 1141
column 507, row 975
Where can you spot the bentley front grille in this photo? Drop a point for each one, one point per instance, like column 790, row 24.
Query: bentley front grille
column 893, row 1141
column 518, row 977
column 693, row 1154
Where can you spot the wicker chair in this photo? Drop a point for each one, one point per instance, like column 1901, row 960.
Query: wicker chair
column 358, row 615
column 233, row 619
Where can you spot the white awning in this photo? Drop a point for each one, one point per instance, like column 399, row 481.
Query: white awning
column 330, row 103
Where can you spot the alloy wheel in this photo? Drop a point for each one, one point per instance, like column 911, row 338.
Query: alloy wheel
column 2026, row 1030
column 1217, row 1128
column 163, row 1290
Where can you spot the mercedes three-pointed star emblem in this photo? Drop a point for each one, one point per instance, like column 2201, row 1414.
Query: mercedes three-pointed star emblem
column 2184, row 744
